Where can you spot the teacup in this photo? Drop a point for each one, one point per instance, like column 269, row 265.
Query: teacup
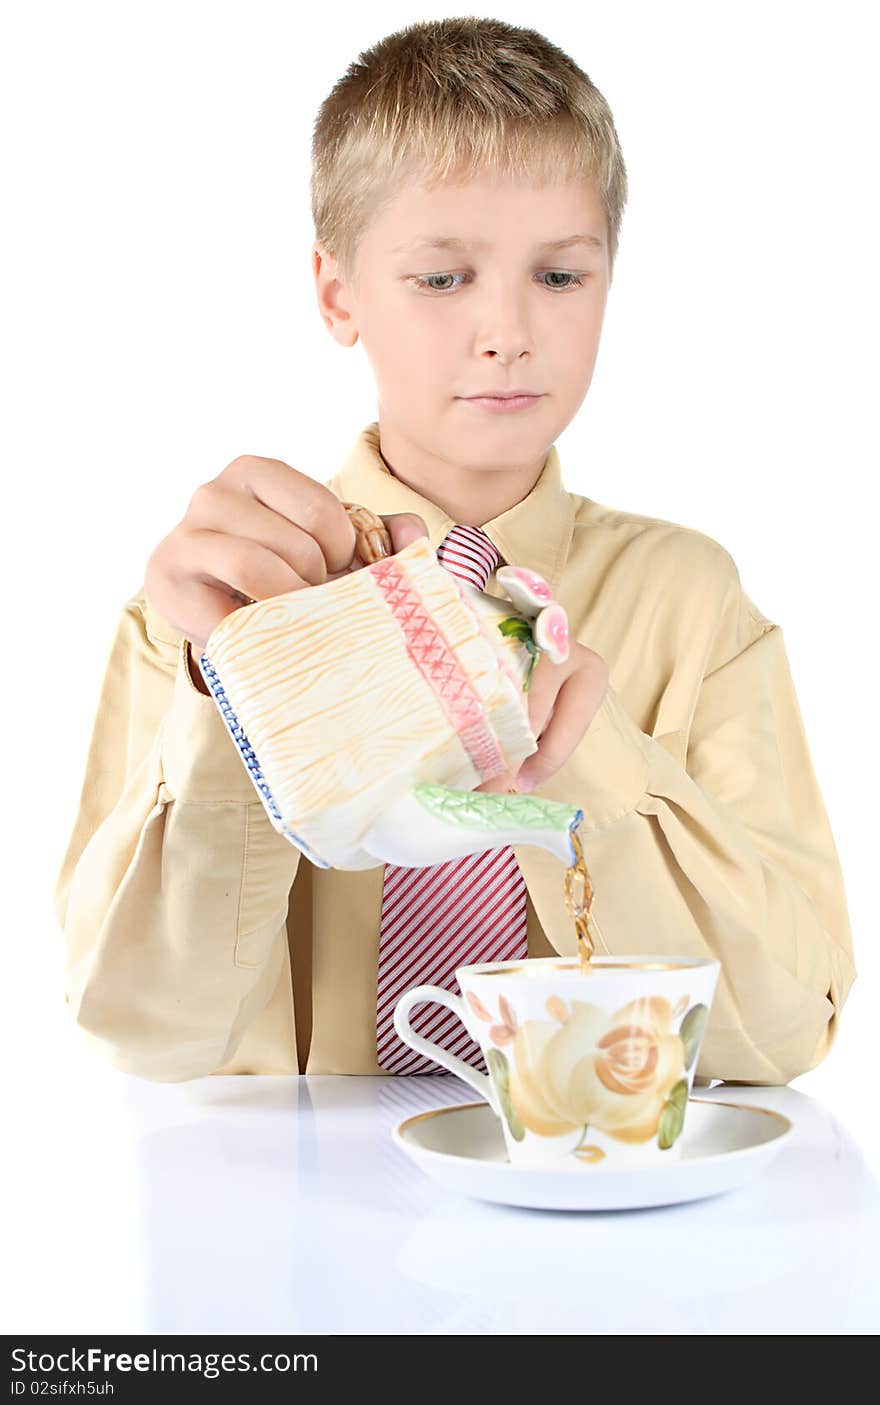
column 586, row 1068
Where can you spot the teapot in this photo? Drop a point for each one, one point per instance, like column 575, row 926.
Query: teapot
column 367, row 709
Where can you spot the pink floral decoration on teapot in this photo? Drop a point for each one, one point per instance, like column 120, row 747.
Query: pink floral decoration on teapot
column 545, row 627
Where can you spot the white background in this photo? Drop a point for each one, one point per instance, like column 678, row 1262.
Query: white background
column 160, row 318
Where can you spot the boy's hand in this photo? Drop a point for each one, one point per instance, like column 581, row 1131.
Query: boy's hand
column 260, row 528
column 563, row 699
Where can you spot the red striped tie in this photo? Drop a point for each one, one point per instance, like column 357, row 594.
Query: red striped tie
column 447, row 915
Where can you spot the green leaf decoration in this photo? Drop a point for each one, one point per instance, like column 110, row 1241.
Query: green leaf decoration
column 500, row 1071
column 498, row 1067
column 678, row 1094
column 517, row 1130
column 691, row 1032
column 671, row 1123
column 491, row 812
column 516, row 628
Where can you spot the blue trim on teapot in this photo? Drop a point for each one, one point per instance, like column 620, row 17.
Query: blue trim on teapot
column 249, row 757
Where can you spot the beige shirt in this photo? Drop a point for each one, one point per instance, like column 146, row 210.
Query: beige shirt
column 198, row 940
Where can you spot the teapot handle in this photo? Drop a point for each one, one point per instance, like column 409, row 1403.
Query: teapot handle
column 418, row 995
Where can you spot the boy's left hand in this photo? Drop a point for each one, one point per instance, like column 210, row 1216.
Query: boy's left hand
column 563, row 699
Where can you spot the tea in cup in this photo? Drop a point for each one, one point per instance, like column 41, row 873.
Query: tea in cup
column 590, row 1063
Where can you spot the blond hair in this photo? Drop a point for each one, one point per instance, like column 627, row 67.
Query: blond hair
column 456, row 98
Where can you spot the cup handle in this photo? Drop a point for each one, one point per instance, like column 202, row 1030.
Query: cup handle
column 439, row 996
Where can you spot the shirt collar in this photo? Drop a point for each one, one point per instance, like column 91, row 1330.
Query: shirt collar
column 535, row 533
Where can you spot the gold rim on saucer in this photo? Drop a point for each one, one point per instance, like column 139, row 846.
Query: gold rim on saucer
column 652, row 1166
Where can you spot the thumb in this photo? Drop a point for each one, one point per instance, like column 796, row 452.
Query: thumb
column 405, row 528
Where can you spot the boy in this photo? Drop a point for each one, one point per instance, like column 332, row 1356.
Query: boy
column 467, row 192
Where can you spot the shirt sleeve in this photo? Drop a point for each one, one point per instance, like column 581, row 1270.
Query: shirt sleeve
column 172, row 896
column 715, row 841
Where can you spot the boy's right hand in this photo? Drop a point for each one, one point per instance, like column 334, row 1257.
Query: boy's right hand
column 260, row 528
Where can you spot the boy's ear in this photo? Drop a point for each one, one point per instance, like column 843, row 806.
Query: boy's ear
column 333, row 302
column 323, row 261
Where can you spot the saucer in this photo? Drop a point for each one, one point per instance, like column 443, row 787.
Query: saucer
column 722, row 1146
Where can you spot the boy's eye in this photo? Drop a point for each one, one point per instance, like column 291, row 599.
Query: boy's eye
column 427, row 281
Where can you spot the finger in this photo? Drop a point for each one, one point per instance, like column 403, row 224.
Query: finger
column 309, row 505
column 217, row 508
column 405, row 528
column 498, row 785
column 574, row 709
column 229, row 573
column 541, row 695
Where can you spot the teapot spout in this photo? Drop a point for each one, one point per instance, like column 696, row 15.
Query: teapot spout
column 433, row 824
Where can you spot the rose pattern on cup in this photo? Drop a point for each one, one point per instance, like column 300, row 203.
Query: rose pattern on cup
column 626, row 1074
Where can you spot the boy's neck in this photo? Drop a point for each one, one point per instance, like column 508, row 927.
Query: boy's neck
column 469, row 496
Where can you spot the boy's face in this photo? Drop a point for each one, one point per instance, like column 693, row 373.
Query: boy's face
column 503, row 312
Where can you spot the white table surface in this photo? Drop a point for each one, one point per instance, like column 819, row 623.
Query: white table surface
column 268, row 1204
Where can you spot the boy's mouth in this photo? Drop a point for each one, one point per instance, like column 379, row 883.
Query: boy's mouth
column 503, row 403
column 501, row 394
